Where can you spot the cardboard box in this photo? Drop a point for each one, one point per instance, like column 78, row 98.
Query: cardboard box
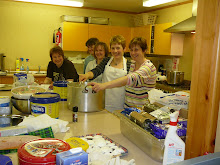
column 74, row 156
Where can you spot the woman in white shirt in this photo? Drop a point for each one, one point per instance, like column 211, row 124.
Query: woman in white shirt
column 100, row 52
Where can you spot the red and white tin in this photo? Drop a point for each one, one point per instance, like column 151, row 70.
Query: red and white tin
column 41, row 151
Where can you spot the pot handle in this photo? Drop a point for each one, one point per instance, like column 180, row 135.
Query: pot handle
column 85, row 90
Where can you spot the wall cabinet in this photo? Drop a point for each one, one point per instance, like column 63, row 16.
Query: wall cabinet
column 75, row 36
column 9, row 79
column 102, row 32
column 167, row 43
column 159, row 42
column 6, row 80
column 145, row 32
column 124, row 31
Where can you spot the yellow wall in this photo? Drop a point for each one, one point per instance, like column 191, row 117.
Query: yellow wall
column 174, row 14
column 26, row 29
column 177, row 14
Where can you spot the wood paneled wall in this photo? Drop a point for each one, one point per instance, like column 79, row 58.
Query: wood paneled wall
column 205, row 86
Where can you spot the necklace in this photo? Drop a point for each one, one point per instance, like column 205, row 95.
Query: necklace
column 115, row 64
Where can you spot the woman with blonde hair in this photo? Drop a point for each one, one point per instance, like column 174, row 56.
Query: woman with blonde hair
column 141, row 77
column 100, row 52
column 112, row 68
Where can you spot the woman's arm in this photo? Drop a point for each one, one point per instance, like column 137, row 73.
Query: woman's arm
column 84, row 77
column 99, row 69
column 48, row 80
column 111, row 84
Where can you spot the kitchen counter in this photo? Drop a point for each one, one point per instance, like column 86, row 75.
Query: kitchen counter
column 169, row 88
column 91, row 123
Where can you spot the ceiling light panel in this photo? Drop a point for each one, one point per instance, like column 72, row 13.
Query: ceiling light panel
column 150, row 3
column 72, row 3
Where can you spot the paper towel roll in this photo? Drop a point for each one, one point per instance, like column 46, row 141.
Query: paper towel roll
column 161, row 78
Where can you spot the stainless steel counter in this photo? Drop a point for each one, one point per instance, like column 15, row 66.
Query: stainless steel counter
column 96, row 122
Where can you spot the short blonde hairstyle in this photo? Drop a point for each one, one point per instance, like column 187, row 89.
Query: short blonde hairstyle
column 118, row 39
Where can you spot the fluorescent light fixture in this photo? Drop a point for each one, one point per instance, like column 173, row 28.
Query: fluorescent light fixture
column 150, row 3
column 72, row 3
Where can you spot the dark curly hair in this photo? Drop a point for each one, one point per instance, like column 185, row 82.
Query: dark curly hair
column 56, row 49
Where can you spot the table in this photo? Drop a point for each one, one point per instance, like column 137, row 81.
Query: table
column 96, row 122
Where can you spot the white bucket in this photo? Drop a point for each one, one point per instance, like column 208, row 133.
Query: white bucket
column 5, row 109
column 5, row 105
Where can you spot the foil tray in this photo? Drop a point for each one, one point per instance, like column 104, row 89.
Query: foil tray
column 112, row 141
column 149, row 144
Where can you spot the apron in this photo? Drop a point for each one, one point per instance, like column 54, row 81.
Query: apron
column 114, row 98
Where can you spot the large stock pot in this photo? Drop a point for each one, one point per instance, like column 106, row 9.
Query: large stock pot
column 83, row 97
column 175, row 77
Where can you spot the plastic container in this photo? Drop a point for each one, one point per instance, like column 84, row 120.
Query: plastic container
column 5, row 109
column 20, row 77
column 5, row 105
column 17, row 65
column 60, row 87
column 45, row 103
column 27, row 65
column 41, row 151
column 174, row 145
column 22, row 64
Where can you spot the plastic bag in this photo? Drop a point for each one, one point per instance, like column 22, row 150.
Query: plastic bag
column 176, row 100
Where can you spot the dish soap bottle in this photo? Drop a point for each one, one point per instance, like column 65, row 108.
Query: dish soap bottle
column 174, row 145
column 17, row 65
column 27, row 66
column 22, row 65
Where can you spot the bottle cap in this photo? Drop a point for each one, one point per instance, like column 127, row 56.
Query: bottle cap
column 75, row 109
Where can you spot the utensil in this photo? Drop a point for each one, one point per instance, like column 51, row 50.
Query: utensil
column 22, row 105
column 175, row 77
column 83, row 97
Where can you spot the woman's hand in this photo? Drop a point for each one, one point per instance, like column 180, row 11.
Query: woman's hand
column 97, row 86
column 83, row 77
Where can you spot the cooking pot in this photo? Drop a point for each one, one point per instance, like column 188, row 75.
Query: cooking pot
column 82, row 96
column 175, row 77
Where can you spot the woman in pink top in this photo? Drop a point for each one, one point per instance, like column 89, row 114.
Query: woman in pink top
column 141, row 77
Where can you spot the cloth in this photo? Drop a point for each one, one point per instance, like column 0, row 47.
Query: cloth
column 101, row 67
column 43, row 133
column 66, row 71
column 91, row 65
column 44, row 121
column 87, row 60
column 139, row 83
column 114, row 98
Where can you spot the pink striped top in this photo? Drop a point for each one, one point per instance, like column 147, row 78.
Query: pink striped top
column 139, row 83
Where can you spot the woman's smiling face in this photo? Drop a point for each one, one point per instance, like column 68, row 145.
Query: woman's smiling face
column 136, row 52
column 100, row 52
column 117, row 50
column 57, row 59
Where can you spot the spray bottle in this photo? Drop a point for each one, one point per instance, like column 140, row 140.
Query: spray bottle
column 174, row 145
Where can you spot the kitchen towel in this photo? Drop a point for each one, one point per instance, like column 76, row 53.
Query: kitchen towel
column 44, row 121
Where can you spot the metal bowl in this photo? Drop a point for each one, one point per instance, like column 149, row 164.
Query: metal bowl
column 10, row 120
column 22, row 105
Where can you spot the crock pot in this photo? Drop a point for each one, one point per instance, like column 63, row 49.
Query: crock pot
column 175, row 77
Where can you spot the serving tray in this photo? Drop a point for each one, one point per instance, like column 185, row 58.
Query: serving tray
column 110, row 140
